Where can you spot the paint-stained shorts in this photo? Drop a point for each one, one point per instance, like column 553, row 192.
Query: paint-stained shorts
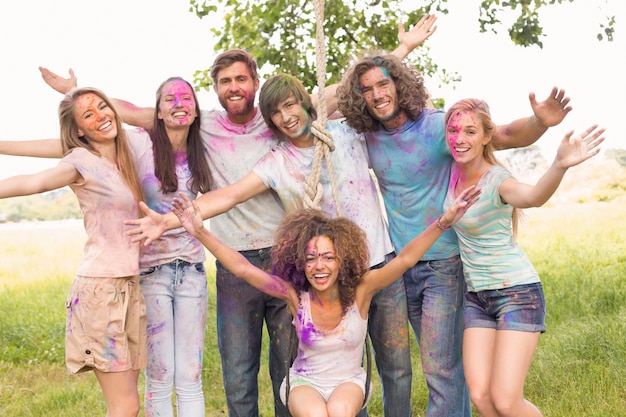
column 105, row 325
column 521, row 308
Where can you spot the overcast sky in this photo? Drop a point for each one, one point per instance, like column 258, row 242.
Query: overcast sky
column 127, row 47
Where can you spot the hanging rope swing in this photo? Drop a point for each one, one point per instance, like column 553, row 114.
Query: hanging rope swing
column 324, row 144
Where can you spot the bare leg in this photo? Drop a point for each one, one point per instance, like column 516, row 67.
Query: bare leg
column 513, row 356
column 479, row 346
column 346, row 400
column 305, row 401
column 120, row 392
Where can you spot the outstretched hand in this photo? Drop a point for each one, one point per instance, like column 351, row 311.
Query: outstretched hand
column 149, row 228
column 576, row 149
column 553, row 109
column 463, row 202
column 188, row 213
column 420, row 32
column 60, row 84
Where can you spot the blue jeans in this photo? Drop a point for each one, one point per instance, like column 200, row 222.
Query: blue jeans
column 241, row 310
column 389, row 332
column 176, row 304
column 434, row 291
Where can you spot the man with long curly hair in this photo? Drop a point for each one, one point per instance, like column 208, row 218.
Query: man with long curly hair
column 386, row 100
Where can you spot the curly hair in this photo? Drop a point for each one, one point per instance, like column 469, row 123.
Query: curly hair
column 481, row 109
column 411, row 94
column 293, row 236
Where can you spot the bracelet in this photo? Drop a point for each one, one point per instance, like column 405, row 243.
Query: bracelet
column 439, row 225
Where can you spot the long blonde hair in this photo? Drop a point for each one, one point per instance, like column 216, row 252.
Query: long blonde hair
column 70, row 138
column 481, row 109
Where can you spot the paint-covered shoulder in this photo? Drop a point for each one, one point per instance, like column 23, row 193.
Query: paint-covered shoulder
column 339, row 127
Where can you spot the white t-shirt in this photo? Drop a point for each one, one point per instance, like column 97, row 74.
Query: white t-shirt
column 286, row 167
column 232, row 150
column 175, row 243
column 105, row 201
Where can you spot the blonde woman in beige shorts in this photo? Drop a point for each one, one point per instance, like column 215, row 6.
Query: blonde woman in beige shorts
column 106, row 312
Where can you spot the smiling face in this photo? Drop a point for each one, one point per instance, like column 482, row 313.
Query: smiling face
column 94, row 118
column 177, row 104
column 293, row 121
column 236, row 90
column 322, row 265
column 466, row 137
column 381, row 97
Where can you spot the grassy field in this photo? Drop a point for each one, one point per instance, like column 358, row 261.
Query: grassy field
column 579, row 368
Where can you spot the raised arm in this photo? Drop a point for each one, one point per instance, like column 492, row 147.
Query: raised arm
column 128, row 112
column 42, row 148
column 572, row 151
column 134, row 115
column 58, row 83
column 153, row 225
column 47, row 180
column 330, row 93
column 189, row 216
column 410, row 40
column 377, row 279
column 523, row 132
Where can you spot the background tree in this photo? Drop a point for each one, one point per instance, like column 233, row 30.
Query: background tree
column 281, row 33
column 618, row 155
column 59, row 204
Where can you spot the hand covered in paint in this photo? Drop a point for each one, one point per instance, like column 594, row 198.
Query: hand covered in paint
column 410, row 40
column 58, row 83
column 463, row 202
column 553, row 109
column 149, row 228
column 574, row 150
column 188, row 214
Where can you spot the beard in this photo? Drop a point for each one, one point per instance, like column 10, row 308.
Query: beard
column 237, row 108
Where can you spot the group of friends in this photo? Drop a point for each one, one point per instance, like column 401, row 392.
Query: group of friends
column 438, row 252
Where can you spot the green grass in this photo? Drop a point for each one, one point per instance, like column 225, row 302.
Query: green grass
column 579, row 368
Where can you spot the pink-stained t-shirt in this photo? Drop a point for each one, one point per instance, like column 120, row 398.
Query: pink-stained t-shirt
column 232, row 151
column 175, row 243
column 286, row 168
column 105, row 201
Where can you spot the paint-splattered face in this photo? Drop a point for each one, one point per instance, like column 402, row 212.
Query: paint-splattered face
column 236, row 90
column 381, row 98
column 322, row 265
column 177, row 106
column 466, row 136
column 95, row 119
column 293, row 121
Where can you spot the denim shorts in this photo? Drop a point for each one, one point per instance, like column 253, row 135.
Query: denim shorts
column 521, row 308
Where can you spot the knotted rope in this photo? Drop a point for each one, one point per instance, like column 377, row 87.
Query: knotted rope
column 323, row 139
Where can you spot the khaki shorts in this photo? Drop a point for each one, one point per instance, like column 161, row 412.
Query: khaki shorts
column 106, row 325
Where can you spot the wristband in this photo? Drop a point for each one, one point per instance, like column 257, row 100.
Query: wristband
column 440, row 226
